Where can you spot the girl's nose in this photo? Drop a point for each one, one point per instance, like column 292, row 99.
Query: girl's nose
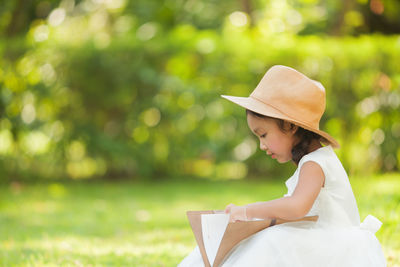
column 263, row 147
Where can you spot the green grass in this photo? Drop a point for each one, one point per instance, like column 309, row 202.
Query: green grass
column 144, row 224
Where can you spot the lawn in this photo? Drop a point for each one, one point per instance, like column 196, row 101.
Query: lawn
column 144, row 224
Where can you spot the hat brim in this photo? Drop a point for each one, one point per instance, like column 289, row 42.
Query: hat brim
column 268, row 110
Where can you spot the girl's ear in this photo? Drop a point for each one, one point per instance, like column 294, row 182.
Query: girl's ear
column 293, row 128
column 289, row 127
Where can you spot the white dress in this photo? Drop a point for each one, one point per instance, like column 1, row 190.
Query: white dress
column 336, row 239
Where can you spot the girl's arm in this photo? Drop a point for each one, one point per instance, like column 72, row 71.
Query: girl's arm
column 296, row 206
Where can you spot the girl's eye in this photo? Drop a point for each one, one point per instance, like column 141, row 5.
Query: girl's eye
column 262, row 136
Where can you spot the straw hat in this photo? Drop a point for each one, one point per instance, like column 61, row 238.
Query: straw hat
column 287, row 94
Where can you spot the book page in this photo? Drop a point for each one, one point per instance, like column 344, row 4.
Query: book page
column 213, row 228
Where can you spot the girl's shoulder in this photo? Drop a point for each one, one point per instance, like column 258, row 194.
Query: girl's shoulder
column 330, row 164
column 320, row 155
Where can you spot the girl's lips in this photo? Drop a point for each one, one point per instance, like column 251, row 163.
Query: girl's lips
column 272, row 155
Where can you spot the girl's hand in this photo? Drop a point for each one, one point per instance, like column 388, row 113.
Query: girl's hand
column 238, row 213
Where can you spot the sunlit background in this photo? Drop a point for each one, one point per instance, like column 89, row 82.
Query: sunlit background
column 104, row 91
column 131, row 88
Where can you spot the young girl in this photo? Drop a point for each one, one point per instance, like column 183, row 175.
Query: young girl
column 284, row 111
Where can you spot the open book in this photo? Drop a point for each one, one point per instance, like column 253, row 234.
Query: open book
column 216, row 236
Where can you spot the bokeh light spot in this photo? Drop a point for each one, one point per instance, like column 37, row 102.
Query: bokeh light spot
column 146, row 31
column 140, row 134
column 76, row 150
column 35, row 142
column 151, row 117
column 6, row 142
column 205, row 45
column 238, row 18
column 56, row 17
column 231, row 170
column 244, row 150
column 41, row 33
column 28, row 113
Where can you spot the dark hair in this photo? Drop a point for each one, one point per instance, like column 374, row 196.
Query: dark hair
column 305, row 136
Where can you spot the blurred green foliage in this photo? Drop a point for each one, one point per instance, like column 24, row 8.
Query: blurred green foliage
column 131, row 89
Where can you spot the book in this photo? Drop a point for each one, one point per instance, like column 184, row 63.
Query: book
column 216, row 236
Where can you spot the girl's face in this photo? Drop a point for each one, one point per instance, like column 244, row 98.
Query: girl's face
column 272, row 140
